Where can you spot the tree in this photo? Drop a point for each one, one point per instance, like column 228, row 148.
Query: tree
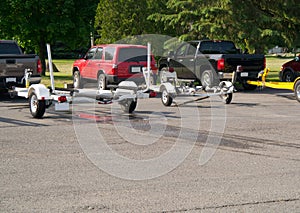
column 37, row 22
column 119, row 19
column 252, row 24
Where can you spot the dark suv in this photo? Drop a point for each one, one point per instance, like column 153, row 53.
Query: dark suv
column 111, row 64
column 290, row 70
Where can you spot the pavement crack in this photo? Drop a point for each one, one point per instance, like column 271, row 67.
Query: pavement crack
column 233, row 205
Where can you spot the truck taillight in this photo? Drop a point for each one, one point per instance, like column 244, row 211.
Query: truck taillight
column 62, row 99
column 221, row 64
column 114, row 69
column 39, row 66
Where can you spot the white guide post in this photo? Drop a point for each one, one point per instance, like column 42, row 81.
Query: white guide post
column 148, row 63
column 50, row 67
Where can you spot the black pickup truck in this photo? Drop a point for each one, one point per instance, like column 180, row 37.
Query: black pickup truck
column 13, row 63
column 209, row 61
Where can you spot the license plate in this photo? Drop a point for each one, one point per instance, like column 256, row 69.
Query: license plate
column 62, row 106
column 244, row 74
column 136, row 69
column 11, row 80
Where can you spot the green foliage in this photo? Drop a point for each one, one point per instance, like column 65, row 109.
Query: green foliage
column 37, row 22
column 119, row 19
column 253, row 24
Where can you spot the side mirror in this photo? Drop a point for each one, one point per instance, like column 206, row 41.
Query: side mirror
column 297, row 59
column 171, row 54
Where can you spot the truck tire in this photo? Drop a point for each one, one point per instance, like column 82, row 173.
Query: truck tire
column 128, row 106
column 101, row 82
column 248, row 87
column 208, row 79
column 166, row 99
column 288, row 76
column 37, row 107
column 77, row 80
column 297, row 90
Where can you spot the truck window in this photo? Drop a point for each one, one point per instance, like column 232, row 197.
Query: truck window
column 217, row 47
column 109, row 53
column 132, row 54
column 191, row 50
column 99, row 53
column 90, row 54
column 9, row 48
column 182, row 50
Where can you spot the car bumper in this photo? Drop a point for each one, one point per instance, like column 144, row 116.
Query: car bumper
column 12, row 81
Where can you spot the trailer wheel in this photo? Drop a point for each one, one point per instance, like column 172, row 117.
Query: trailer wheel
column 128, row 106
column 37, row 107
column 101, row 81
column 166, row 99
column 227, row 98
column 297, row 90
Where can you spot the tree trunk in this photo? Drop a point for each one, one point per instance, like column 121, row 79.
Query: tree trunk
column 42, row 54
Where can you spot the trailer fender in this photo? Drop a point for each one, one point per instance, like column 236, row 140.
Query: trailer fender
column 168, row 86
column 295, row 82
column 226, row 86
column 126, row 88
column 41, row 91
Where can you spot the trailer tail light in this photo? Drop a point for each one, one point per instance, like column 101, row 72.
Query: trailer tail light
column 62, row 99
column 171, row 69
column 221, row 64
column 114, row 69
column 152, row 94
column 39, row 66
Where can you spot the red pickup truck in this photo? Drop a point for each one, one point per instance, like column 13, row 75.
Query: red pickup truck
column 111, row 64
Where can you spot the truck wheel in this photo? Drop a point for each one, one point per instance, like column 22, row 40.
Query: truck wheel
column 297, row 90
column 208, row 79
column 102, row 85
column 37, row 107
column 166, row 99
column 248, row 87
column 77, row 80
column 129, row 106
column 227, row 98
column 288, row 76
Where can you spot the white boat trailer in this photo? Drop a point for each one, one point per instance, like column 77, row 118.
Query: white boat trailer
column 125, row 93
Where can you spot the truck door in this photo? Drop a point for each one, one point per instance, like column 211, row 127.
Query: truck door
column 188, row 61
column 96, row 63
column 177, row 61
column 89, row 57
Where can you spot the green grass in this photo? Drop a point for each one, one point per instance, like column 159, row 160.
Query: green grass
column 64, row 76
column 65, row 70
column 274, row 63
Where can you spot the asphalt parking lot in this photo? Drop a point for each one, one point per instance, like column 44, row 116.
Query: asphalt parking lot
column 204, row 157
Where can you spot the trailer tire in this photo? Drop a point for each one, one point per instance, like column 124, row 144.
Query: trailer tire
column 128, row 106
column 166, row 99
column 227, row 98
column 297, row 90
column 101, row 82
column 37, row 107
